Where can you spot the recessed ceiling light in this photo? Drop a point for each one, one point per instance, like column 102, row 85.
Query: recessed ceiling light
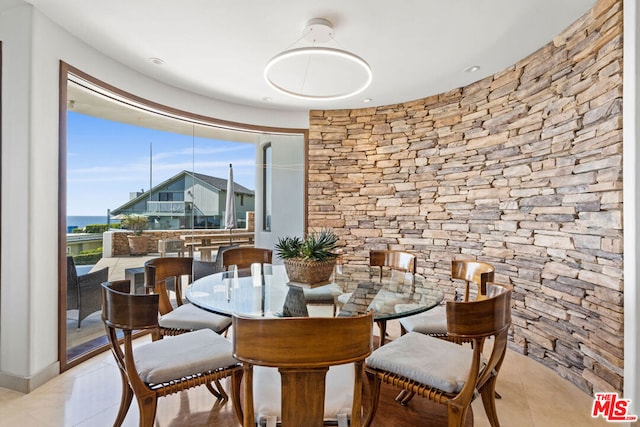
column 472, row 69
column 366, row 100
column 266, row 99
column 156, row 61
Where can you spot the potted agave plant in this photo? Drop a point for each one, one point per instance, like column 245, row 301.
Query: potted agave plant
column 309, row 260
column 136, row 223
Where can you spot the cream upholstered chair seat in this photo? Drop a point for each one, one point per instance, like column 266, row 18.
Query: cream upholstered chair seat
column 407, row 355
column 198, row 351
column 190, row 317
column 268, row 394
column 185, row 317
column 430, row 322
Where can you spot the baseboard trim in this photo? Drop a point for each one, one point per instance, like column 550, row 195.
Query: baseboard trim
column 28, row 384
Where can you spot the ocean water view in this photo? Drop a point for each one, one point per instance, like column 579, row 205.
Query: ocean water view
column 81, row 221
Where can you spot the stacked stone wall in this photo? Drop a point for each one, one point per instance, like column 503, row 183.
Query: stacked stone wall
column 522, row 169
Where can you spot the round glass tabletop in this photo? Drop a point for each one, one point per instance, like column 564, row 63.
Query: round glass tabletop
column 354, row 289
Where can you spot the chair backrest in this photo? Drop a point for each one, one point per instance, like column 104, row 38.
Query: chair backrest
column 302, row 349
column 476, row 272
column 394, row 260
column 156, row 273
column 72, row 284
column 244, row 257
column 126, row 311
column 203, row 268
column 222, row 249
column 475, row 321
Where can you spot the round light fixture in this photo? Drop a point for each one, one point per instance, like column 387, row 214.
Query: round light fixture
column 316, row 72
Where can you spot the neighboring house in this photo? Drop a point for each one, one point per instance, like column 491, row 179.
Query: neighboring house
column 188, row 200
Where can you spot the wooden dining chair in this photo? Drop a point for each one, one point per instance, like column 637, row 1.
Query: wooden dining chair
column 184, row 317
column 161, row 367
column 310, row 355
column 244, row 257
column 403, row 262
column 392, row 260
column 446, row 372
column 434, row 322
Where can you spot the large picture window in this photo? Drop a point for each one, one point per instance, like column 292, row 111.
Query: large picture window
column 122, row 155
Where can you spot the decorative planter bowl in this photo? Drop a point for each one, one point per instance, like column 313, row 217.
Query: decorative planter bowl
column 309, row 272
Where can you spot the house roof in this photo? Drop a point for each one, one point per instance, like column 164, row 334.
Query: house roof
column 220, row 184
column 213, row 182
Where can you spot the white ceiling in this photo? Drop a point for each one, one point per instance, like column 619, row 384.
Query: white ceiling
column 219, row 49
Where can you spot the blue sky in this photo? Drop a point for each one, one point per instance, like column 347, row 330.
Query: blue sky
column 108, row 160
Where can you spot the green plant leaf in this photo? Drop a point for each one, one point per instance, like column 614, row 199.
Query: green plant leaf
column 316, row 246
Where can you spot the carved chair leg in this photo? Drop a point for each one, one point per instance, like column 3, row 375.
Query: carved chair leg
column 125, row 403
column 148, row 404
column 236, row 382
column 407, row 398
column 455, row 416
column 374, row 397
column 382, row 325
column 488, row 394
column 403, row 330
column 217, row 390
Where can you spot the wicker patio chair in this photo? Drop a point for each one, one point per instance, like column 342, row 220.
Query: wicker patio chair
column 84, row 291
column 205, row 268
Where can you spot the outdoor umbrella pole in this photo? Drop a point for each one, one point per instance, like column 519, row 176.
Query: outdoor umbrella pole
column 230, row 214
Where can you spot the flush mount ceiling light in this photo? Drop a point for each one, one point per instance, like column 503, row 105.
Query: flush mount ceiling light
column 318, row 72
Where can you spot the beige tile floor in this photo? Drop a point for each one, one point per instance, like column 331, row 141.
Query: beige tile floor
column 88, row 395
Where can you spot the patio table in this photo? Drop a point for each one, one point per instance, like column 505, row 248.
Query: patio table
column 205, row 243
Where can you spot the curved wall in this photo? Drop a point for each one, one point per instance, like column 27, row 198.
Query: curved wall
column 32, row 49
column 522, row 169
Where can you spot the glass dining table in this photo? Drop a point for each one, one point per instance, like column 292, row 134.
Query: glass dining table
column 265, row 291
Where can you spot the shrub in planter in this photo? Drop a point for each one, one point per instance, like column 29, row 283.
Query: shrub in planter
column 309, row 260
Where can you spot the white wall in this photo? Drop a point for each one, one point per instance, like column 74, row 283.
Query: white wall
column 287, row 198
column 631, row 155
column 32, row 49
column 16, row 319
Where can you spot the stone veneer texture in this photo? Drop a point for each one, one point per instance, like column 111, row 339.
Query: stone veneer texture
column 522, row 169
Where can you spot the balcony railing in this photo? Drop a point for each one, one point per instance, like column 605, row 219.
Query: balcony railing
column 169, row 207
